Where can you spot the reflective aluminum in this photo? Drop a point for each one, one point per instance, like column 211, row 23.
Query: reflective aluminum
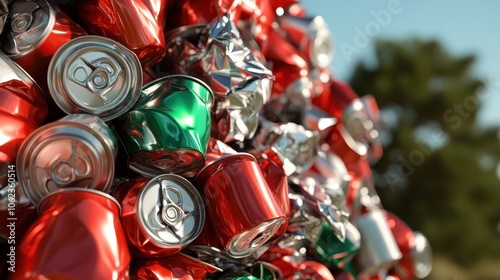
column 95, row 75
column 292, row 143
column 161, row 215
column 138, row 25
column 77, row 235
column 169, row 128
column 78, row 151
column 34, row 31
column 242, row 208
column 311, row 36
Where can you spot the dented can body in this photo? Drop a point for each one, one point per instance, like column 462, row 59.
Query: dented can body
column 136, row 24
column 241, row 206
column 168, row 130
column 34, row 32
column 87, row 221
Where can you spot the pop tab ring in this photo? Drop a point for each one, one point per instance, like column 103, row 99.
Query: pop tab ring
column 171, row 211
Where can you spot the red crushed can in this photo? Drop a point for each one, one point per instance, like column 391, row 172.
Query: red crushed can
column 161, row 215
column 77, row 235
column 22, row 110
column 136, row 24
column 180, row 266
column 34, row 32
column 240, row 204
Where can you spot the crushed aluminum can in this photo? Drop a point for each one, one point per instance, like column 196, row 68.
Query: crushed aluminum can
column 333, row 170
column 311, row 36
column 416, row 261
column 242, row 208
column 336, row 96
column 95, row 75
column 74, row 226
column 180, row 266
column 296, row 146
column 379, row 249
column 169, row 127
column 34, row 32
column 160, row 215
column 218, row 55
column 22, row 108
column 330, row 250
column 335, row 216
column 361, row 118
column 138, row 25
column 240, row 81
column 340, row 142
column 78, row 151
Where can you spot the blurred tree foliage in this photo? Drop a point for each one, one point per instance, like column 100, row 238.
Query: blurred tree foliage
column 439, row 169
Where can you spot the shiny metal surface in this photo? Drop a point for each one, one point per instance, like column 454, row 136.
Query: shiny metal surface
column 35, row 31
column 379, row 249
column 22, row 110
column 169, row 128
column 361, row 120
column 95, row 75
column 311, row 36
column 31, row 22
column 87, row 222
column 138, row 25
column 161, row 215
column 66, row 154
column 242, row 208
column 240, row 81
column 180, row 266
column 292, row 143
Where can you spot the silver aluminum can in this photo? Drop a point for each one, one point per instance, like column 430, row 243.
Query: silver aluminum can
column 95, row 75
column 77, row 151
column 379, row 249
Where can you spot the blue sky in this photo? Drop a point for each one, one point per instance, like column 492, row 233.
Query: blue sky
column 464, row 27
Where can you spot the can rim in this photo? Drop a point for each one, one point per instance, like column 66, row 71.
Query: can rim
column 191, row 189
column 60, row 93
column 69, row 190
column 216, row 163
column 48, row 29
column 150, row 84
column 24, row 154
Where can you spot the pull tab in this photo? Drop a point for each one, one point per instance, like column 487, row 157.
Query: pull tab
column 171, row 212
column 103, row 75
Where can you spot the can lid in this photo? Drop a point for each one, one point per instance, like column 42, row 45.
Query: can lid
column 171, row 211
column 64, row 155
column 244, row 243
column 95, row 75
column 31, row 22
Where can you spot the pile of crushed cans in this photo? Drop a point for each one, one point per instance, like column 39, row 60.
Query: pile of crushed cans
column 187, row 139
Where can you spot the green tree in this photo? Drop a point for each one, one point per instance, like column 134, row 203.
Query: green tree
column 439, row 169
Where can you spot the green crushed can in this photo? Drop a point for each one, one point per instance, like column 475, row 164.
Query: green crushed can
column 168, row 129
